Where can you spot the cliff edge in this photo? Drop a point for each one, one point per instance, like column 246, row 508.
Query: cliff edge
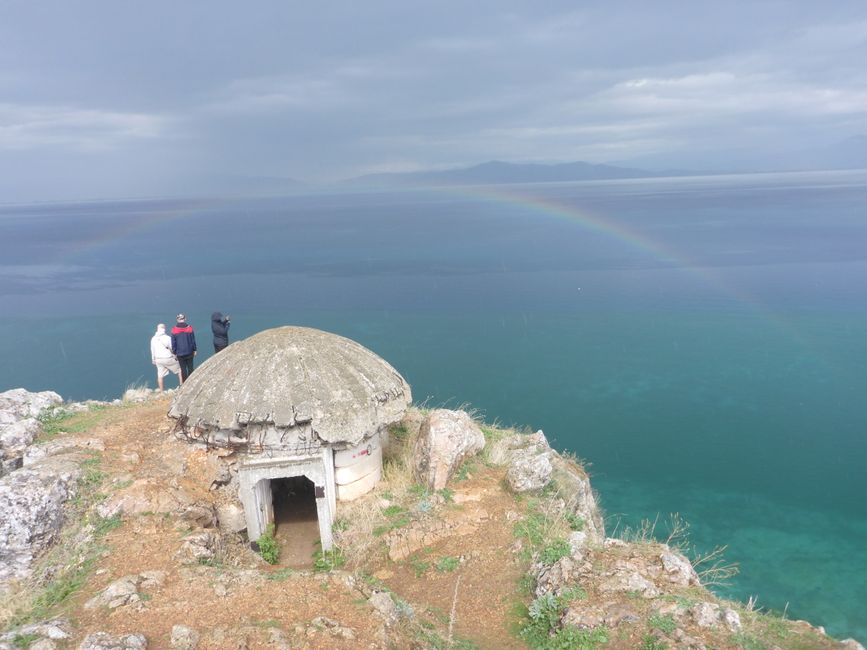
column 116, row 534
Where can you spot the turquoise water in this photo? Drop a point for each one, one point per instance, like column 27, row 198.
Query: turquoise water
column 699, row 341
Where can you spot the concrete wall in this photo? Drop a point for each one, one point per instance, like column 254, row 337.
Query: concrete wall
column 255, row 476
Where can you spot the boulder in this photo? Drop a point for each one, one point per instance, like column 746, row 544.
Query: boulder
column 138, row 395
column 15, row 438
column 529, row 472
column 31, row 500
column 184, row 638
column 731, row 619
column 50, row 631
column 585, row 614
column 628, row 581
column 385, row 606
column 104, row 641
column 119, row 593
column 574, row 488
column 504, row 449
column 18, row 403
column 577, row 542
column 851, row 644
column 231, row 518
column 152, row 496
column 445, row 439
column 42, row 644
column 59, row 446
column 554, row 579
column 125, row 591
column 678, row 569
column 705, row 614
column 198, row 547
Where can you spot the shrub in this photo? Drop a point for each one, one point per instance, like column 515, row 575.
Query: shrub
column 664, row 624
column 575, row 522
column 328, row 560
column 559, row 548
column 447, row 563
column 268, row 548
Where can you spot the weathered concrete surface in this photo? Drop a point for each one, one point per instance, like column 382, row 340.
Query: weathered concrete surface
column 291, row 376
column 445, row 439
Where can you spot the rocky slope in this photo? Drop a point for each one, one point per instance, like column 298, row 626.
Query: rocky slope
column 115, row 534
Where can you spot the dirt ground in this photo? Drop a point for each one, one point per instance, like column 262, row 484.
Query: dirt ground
column 244, row 602
column 482, row 588
column 468, row 569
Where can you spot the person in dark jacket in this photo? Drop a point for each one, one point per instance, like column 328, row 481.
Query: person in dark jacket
column 184, row 345
column 220, row 328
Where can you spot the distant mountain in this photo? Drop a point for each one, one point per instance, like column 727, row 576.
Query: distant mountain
column 503, row 172
column 235, row 185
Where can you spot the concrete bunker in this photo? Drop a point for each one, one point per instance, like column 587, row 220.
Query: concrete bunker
column 294, row 404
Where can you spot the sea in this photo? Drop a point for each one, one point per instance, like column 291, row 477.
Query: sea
column 701, row 342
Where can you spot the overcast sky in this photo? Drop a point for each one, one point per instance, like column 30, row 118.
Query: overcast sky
column 115, row 98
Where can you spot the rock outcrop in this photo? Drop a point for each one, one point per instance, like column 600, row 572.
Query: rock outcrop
column 105, row 641
column 31, row 500
column 532, row 465
column 445, row 439
column 19, row 426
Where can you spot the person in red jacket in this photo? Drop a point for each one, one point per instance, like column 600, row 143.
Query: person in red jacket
column 184, row 345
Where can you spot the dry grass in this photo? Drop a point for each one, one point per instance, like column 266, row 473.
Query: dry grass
column 355, row 535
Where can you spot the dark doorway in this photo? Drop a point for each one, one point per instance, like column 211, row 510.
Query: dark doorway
column 295, row 519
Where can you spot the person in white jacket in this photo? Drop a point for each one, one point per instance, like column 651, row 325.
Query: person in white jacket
column 162, row 357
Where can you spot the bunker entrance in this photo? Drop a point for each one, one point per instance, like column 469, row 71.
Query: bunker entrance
column 295, row 520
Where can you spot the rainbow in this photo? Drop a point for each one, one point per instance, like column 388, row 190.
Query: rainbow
column 510, row 196
column 153, row 214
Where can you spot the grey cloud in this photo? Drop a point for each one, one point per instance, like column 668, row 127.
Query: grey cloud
column 133, row 99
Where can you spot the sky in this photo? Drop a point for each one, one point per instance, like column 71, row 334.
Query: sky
column 108, row 98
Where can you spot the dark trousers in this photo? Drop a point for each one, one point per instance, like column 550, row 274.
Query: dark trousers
column 186, row 365
column 219, row 347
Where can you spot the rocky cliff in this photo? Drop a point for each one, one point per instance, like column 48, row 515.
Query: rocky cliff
column 115, row 534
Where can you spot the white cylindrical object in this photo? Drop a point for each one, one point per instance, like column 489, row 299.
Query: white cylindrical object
column 353, row 455
column 365, row 465
column 360, row 487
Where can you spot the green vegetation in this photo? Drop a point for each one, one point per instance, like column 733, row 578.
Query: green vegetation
column 103, row 525
column 467, row 468
column 447, row 494
column 340, row 524
column 575, row 522
column 532, row 527
column 398, row 517
column 664, row 624
column 419, row 567
column 23, row 640
column 419, row 491
column 399, row 432
column 447, row 563
column 748, row 642
column 541, row 626
column 57, row 420
column 268, row 547
column 280, row 575
column 555, row 550
column 650, row 642
column 328, row 560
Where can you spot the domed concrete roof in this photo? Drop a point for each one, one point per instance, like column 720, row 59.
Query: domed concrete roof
column 295, row 375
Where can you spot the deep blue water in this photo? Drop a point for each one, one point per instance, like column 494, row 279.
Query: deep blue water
column 701, row 342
